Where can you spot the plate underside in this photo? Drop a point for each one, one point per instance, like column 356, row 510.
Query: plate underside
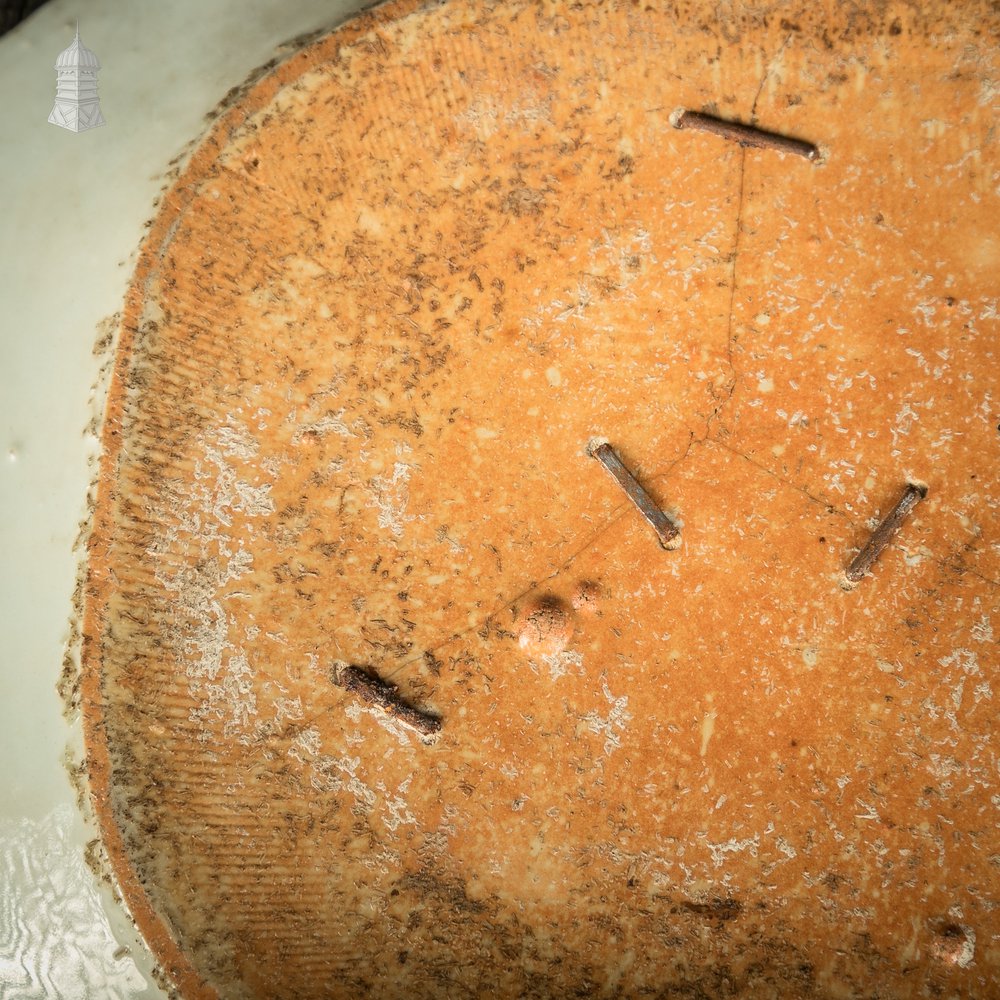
column 404, row 281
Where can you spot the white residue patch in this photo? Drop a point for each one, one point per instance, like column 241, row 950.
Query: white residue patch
column 234, row 441
column 968, row 952
column 198, row 520
column 489, row 113
column 618, row 717
column 231, row 698
column 398, row 812
column 562, row 663
column 219, row 491
column 903, row 422
column 389, row 496
column 308, row 742
column 287, row 708
column 734, row 846
column 982, row 631
column 965, row 660
column 868, row 811
column 328, row 773
column 960, row 667
column 785, row 847
column 334, row 774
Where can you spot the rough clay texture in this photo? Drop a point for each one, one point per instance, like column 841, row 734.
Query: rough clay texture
column 384, row 308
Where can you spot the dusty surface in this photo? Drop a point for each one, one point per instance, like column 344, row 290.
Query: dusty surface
column 393, row 296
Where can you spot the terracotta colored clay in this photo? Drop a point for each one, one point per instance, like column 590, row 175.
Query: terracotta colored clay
column 406, row 278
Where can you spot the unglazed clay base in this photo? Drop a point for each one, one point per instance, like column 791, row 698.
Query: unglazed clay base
column 393, row 300
column 73, row 207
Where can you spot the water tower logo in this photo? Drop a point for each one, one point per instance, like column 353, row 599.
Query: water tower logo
column 77, row 107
